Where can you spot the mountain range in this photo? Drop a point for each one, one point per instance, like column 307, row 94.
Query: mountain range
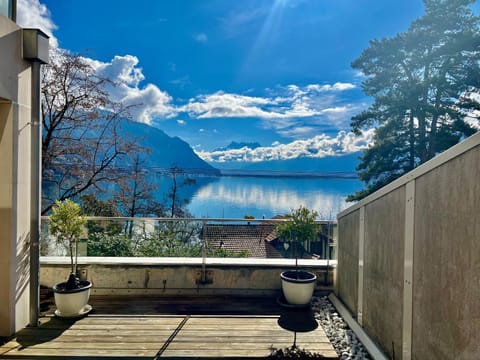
column 167, row 152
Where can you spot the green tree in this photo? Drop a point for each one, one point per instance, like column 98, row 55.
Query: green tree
column 298, row 231
column 92, row 206
column 66, row 223
column 422, row 82
column 104, row 244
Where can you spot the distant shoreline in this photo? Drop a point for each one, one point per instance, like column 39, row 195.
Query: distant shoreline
column 285, row 174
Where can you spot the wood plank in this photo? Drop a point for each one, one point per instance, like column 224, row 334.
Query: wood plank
column 242, row 330
column 95, row 345
column 330, row 354
column 78, row 352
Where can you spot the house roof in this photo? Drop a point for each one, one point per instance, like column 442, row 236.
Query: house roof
column 253, row 238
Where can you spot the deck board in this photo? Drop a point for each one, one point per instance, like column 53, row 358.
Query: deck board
column 244, row 332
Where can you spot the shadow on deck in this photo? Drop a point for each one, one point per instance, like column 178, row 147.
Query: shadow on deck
column 134, row 327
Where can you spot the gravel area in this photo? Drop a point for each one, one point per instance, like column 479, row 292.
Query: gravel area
column 343, row 339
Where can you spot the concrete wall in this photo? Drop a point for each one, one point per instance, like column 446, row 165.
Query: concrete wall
column 383, row 269
column 446, row 317
column 182, row 276
column 416, row 244
column 347, row 255
column 15, row 115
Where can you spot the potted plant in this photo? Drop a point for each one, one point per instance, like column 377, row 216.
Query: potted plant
column 298, row 285
column 66, row 224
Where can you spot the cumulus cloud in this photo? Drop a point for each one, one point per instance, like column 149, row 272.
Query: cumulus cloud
column 148, row 101
column 316, row 147
column 335, row 87
column 181, row 122
column 293, row 102
column 32, row 14
column 291, row 111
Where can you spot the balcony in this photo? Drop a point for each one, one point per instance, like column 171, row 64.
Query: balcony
column 181, row 307
column 406, row 275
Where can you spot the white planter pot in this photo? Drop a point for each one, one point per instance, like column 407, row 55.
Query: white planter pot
column 298, row 286
column 74, row 302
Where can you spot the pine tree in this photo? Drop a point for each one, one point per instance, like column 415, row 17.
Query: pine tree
column 423, row 83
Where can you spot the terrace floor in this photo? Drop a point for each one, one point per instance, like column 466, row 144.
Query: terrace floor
column 171, row 328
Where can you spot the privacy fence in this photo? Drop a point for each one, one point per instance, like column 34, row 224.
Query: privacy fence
column 409, row 259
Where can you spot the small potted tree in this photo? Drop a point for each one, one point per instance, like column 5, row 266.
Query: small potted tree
column 299, row 229
column 66, row 224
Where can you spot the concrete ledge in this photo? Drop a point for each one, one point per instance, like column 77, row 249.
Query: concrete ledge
column 182, row 261
column 184, row 276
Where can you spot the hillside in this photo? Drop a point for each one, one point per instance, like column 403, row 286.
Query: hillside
column 166, row 151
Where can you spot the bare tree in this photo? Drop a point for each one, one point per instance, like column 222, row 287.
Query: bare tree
column 135, row 196
column 81, row 129
column 179, row 179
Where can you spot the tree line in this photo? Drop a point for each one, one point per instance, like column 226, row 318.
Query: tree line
column 83, row 146
column 424, row 83
column 425, row 87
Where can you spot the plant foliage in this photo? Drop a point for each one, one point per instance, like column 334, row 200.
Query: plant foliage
column 66, row 223
column 425, row 84
column 300, row 228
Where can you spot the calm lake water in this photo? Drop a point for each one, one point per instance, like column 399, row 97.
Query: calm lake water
column 235, row 197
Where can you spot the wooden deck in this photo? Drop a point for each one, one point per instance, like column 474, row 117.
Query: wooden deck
column 208, row 328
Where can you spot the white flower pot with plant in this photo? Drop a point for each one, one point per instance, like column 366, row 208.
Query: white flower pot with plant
column 66, row 224
column 300, row 228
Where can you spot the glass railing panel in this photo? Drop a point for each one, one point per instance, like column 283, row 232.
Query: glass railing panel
column 173, row 237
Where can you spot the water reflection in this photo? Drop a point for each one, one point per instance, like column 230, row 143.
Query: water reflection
column 235, row 197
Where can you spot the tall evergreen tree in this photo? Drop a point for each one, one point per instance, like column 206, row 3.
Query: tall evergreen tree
column 423, row 82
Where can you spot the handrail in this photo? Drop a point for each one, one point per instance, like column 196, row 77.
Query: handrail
column 170, row 219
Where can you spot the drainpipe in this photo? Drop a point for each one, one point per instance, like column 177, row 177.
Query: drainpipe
column 35, row 50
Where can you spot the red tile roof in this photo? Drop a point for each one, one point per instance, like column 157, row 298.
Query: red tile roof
column 253, row 238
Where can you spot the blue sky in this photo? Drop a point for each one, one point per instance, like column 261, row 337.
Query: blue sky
column 275, row 72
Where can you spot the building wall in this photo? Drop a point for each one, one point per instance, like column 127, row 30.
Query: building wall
column 383, row 269
column 15, row 115
column 418, row 264
column 446, row 317
column 346, row 284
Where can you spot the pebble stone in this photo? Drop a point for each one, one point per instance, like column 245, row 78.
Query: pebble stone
column 344, row 340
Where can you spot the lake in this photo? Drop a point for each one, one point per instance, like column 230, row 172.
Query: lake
column 235, row 197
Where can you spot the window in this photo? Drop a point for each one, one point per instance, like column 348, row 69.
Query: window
column 6, row 8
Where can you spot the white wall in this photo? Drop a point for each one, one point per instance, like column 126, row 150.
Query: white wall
column 15, row 114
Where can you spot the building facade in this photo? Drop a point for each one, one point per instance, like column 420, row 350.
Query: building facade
column 16, row 84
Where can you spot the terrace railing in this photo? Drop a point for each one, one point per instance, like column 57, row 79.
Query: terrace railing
column 187, row 237
column 172, row 256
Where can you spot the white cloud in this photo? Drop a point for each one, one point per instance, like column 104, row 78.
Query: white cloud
column 294, row 102
column 149, row 101
column 292, row 111
column 200, row 37
column 181, row 122
column 316, row 147
column 32, row 14
column 335, row 87
column 122, row 69
column 221, row 104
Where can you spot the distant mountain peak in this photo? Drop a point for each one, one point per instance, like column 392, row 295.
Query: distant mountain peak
column 238, row 145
